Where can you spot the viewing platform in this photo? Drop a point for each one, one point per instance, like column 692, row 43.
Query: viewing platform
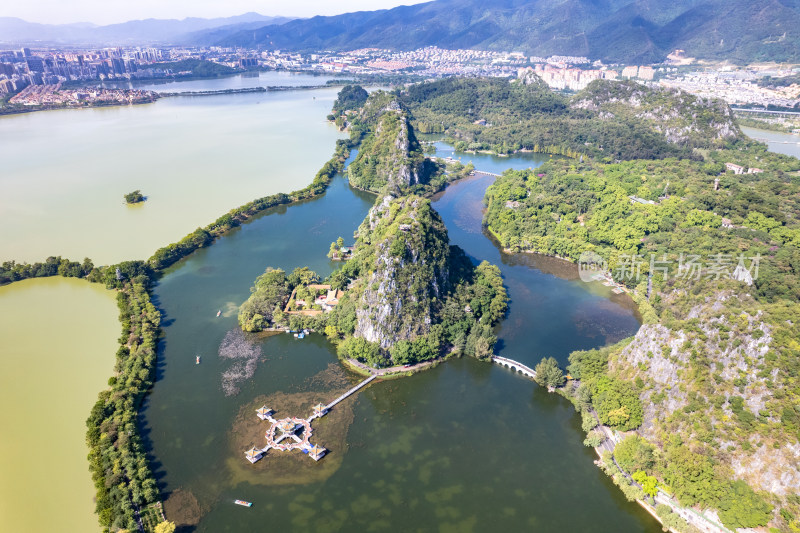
column 294, row 433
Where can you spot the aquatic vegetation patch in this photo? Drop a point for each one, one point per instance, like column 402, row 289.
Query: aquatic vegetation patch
column 244, row 353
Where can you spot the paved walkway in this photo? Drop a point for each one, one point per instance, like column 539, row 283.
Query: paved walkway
column 393, row 369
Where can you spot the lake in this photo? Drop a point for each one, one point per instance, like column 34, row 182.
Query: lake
column 467, row 446
column 59, row 340
column 194, row 158
column 269, row 78
column 782, row 143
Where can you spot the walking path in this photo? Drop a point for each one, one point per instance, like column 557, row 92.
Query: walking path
column 351, row 391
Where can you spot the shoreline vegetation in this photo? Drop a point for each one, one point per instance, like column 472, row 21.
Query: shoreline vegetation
column 11, row 109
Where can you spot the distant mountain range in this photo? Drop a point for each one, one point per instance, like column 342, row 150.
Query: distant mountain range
column 638, row 31
column 148, row 31
column 629, row 31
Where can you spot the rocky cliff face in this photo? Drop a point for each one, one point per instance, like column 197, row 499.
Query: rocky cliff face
column 682, row 118
column 389, row 159
column 404, row 244
column 711, row 376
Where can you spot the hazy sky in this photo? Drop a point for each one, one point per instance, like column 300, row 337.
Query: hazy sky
column 111, row 11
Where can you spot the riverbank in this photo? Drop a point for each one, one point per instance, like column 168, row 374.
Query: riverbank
column 245, row 90
column 14, row 109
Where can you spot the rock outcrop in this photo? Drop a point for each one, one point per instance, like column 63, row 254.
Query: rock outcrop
column 390, row 159
column 403, row 246
column 682, row 118
column 711, row 377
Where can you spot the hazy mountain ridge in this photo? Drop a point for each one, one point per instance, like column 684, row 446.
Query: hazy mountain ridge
column 18, row 31
column 613, row 30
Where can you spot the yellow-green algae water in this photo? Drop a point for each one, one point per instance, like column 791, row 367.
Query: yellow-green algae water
column 57, row 344
column 65, row 172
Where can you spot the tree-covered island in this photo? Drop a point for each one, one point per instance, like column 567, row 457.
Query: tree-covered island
column 134, row 197
column 405, row 295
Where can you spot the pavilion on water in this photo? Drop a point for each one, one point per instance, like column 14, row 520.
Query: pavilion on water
column 320, row 410
column 264, row 413
column 288, row 426
column 253, row 454
column 316, row 452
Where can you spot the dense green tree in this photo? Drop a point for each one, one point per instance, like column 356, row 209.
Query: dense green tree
column 617, row 403
column 649, row 484
column 350, row 97
column 691, row 476
column 585, row 365
column 634, row 453
column 165, row 527
column 268, row 293
column 548, row 374
column 740, row 507
column 134, row 197
column 362, row 350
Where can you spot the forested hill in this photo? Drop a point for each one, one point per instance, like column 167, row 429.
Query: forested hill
column 709, row 383
column 392, row 156
column 609, row 120
column 612, row 30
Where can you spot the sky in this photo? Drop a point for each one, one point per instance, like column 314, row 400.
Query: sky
column 112, row 11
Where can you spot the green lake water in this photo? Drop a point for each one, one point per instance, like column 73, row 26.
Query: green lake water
column 782, row 143
column 59, row 337
column 65, row 172
column 248, row 80
column 467, row 446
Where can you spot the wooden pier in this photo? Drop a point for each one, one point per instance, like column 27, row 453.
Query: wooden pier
column 515, row 365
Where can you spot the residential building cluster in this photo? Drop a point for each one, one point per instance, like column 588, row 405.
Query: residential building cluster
column 55, row 96
column 45, row 67
column 21, row 68
column 737, row 87
column 561, row 78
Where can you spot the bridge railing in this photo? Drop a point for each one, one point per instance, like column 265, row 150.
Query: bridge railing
column 517, row 364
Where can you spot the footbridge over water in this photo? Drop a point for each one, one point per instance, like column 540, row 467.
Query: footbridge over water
column 485, row 173
column 515, row 365
column 351, row 391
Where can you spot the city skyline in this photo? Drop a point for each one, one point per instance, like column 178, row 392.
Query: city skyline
column 104, row 13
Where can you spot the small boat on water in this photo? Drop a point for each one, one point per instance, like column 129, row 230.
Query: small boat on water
column 197, row 360
column 243, row 503
column 219, row 312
